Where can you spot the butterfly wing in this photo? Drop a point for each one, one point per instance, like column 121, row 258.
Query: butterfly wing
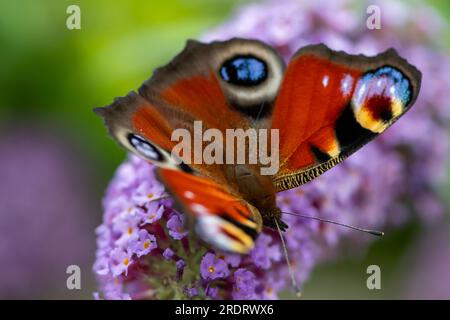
column 222, row 219
column 330, row 104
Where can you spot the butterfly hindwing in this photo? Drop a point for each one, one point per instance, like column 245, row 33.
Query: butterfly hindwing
column 330, row 104
column 222, row 219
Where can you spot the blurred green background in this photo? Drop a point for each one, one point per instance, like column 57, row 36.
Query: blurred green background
column 52, row 77
column 55, row 75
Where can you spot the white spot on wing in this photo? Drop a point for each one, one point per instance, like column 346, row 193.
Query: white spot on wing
column 325, row 81
column 199, row 209
column 189, row 194
column 208, row 227
column 346, row 84
column 361, row 92
column 392, row 90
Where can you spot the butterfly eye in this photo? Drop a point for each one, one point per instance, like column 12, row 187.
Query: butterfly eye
column 144, row 148
column 244, row 71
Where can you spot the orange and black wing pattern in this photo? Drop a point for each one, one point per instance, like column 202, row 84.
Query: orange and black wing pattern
column 222, row 219
column 139, row 126
column 330, row 104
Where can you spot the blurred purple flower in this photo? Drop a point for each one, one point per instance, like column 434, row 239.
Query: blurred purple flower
column 232, row 259
column 212, row 292
column 244, row 284
column 176, row 227
column 264, row 253
column 168, row 254
column 46, row 213
column 381, row 186
column 180, row 264
column 192, row 292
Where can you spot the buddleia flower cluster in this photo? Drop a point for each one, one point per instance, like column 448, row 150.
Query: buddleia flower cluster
column 146, row 252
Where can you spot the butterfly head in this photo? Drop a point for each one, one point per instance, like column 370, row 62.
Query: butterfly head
column 272, row 219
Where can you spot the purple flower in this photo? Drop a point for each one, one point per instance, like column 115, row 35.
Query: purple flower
column 144, row 244
column 180, row 264
column 168, row 254
column 127, row 227
column 153, row 212
column 192, row 292
column 212, row 268
column 147, row 192
column 271, row 288
column 244, row 284
column 381, row 186
column 233, row 260
column 212, row 292
column 121, row 260
column 263, row 254
column 176, row 227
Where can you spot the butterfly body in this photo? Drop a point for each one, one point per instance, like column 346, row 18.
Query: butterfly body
column 258, row 190
column 321, row 108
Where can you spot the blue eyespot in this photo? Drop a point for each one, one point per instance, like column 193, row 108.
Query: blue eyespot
column 244, row 71
column 401, row 87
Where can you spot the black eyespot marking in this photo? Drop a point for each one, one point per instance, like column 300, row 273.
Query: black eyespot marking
column 386, row 115
column 184, row 167
column 257, row 111
column 144, row 148
column 244, row 70
column 349, row 133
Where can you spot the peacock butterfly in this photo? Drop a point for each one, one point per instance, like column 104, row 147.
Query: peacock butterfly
column 325, row 105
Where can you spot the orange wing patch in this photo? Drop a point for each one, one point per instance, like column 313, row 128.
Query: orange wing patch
column 309, row 103
column 201, row 97
column 148, row 122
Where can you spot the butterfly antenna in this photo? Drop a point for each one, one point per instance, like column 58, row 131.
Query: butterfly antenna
column 288, row 262
column 373, row 232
